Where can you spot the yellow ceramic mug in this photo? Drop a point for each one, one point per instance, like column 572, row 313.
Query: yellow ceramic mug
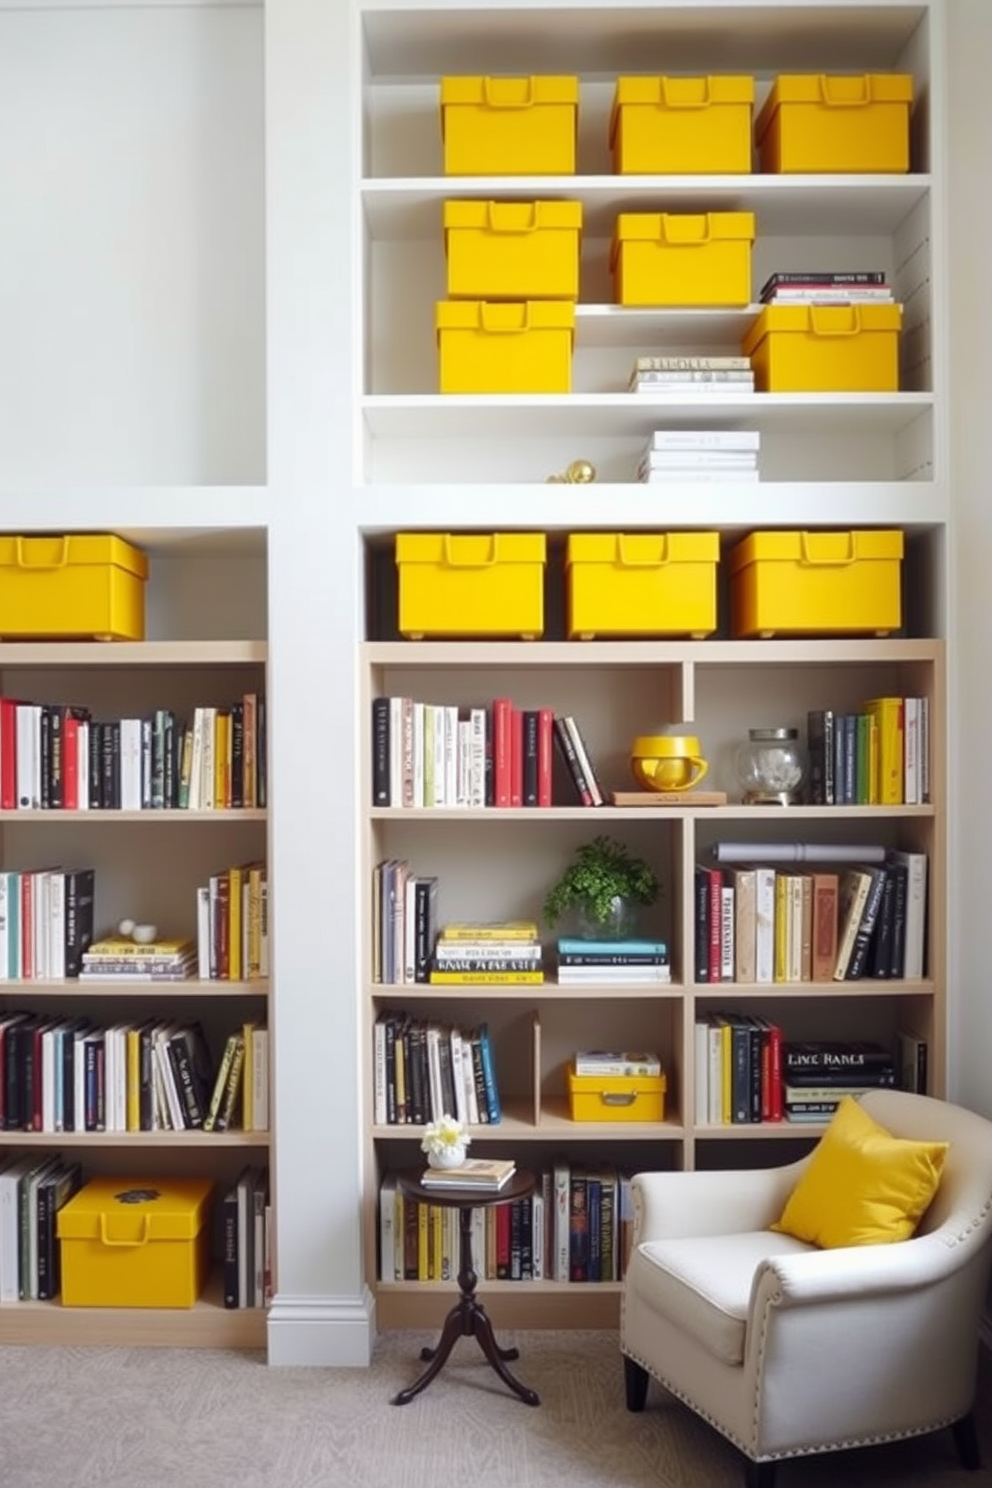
column 667, row 762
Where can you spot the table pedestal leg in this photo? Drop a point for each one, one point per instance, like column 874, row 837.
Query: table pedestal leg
column 466, row 1319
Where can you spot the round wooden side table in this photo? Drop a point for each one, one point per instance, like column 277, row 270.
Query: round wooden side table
column 468, row 1317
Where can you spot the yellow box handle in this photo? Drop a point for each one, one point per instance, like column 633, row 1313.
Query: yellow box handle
column 518, row 221
column 618, row 1098
column 488, row 310
column 845, row 102
column 685, row 103
column 127, row 1244
column 453, row 562
column 822, row 329
column 627, row 562
column 692, row 238
column 498, row 92
column 807, row 557
column 22, row 558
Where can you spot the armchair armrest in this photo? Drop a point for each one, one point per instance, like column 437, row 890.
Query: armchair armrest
column 815, row 1277
column 669, row 1206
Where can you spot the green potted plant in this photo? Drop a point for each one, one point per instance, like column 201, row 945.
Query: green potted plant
column 602, row 888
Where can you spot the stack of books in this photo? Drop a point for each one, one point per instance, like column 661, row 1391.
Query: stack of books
column 475, row 1174
column 863, row 286
column 658, row 375
column 504, row 953
column 120, row 959
column 616, row 1062
column 612, row 961
column 817, row 1075
column 700, row 455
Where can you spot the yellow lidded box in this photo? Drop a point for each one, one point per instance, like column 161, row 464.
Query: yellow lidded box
column 509, row 126
column 666, row 258
column 78, row 586
column 816, row 583
column 616, row 1097
column 513, row 250
column 676, row 125
column 471, row 584
column 641, row 584
column 505, row 346
column 135, row 1242
column 825, row 348
column 814, row 122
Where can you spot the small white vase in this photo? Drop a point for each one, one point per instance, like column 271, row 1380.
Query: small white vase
column 450, row 1157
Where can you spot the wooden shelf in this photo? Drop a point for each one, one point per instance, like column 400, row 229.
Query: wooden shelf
column 141, row 654
column 158, row 1139
column 510, row 1304
column 209, row 1324
column 116, row 987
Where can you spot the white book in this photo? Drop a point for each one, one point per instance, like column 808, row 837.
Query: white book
column 79, row 1078
column 440, row 753
column 715, row 1081
column 435, row 1093
column 562, row 1198
column 56, row 924
column 705, row 439
column 727, row 929
column 764, row 918
column 418, row 754
column 568, row 976
column 409, row 930
column 83, row 759
column 396, row 751
column 665, row 477
column 10, row 1225
column 48, row 1045
column 130, row 765
column 458, row 1077
column 795, row 935
column 28, row 721
column 669, row 459
column 911, row 793
column 701, row 1072
column 379, row 1071
column 477, row 789
column 924, row 750
column 259, row 1079
column 463, row 761
column 208, row 764
column 916, row 911
column 195, row 791
column 450, row 756
column 203, row 932
column 387, row 1228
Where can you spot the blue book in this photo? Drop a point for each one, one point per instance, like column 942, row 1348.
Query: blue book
column 489, row 1075
column 612, row 948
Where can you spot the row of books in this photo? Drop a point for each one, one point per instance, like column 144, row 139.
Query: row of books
column 755, row 923
column 661, row 375
column 46, row 922
column 232, row 924
column 56, row 756
column 428, row 755
column 423, row 1069
column 577, row 1227
column 33, row 1188
column 878, row 756
column 60, row 1073
column 700, row 454
column 246, row 1229
column 802, row 287
column 612, row 961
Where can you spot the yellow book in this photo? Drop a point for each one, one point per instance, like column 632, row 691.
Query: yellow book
column 506, row 930
column 133, row 1079
column 222, row 745
column 249, row 721
column 220, row 1083
column 888, row 715
column 423, row 1243
column 872, row 760
column 247, row 1081
column 256, row 872
column 782, row 915
column 235, row 969
column 437, row 1242
column 726, row 1072
column 118, row 946
column 487, row 978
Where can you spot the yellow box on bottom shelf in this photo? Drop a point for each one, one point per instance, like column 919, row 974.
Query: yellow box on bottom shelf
column 645, row 583
column 513, row 250
column 509, row 126
column 77, row 586
column 682, row 258
column 616, row 1097
column 130, row 1242
column 681, row 125
column 471, row 584
column 816, row 583
column 491, row 346
column 851, row 123
column 825, row 348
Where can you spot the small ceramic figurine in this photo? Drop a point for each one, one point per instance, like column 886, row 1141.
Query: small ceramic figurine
column 140, row 934
column 578, row 473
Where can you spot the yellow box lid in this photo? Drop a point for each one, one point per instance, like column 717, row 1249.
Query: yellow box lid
column 821, row 320
column 680, row 229
column 132, row 1211
column 835, row 90
column 616, row 1084
column 829, row 549
column 679, row 93
column 505, row 316
column 470, row 549
column 642, row 549
column 516, row 217
column 71, row 549
column 509, row 92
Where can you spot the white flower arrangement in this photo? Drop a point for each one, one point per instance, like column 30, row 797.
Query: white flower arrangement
column 440, row 1137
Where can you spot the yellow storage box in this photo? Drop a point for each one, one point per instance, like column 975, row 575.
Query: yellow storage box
column 816, row 583
column 681, row 125
column 665, row 258
column 825, row 348
column 641, row 584
column 616, row 1097
column 472, row 584
column 509, row 126
column 503, row 250
column 812, row 122
column 136, row 1242
column 511, row 346
column 80, row 587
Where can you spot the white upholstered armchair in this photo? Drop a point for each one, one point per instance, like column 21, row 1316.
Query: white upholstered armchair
column 787, row 1348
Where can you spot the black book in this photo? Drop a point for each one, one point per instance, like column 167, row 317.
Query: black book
column 897, row 956
column 852, row 1056
column 157, row 793
column 881, row 1077
column 880, row 950
column 869, row 915
column 860, row 276
column 96, row 765
column 570, row 759
column 56, row 758
column 190, row 1061
column 425, row 895
column 261, row 754
column 171, row 745
column 701, row 923
column 530, row 731
column 231, row 1245
column 147, row 762
column 18, row 1045
column 447, row 1074
column 416, row 1070
column 110, row 766
column 237, row 756
column 380, row 751
column 80, row 895
column 45, row 750
column 55, row 1190
column 390, row 1024
column 820, row 746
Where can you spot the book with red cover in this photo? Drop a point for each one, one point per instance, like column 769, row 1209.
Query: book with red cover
column 8, row 754
column 502, row 730
column 545, row 750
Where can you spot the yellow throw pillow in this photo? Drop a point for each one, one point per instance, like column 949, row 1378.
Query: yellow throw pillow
column 862, row 1186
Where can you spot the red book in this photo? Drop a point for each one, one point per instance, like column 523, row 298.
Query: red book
column 502, row 710
column 503, row 1242
column 775, row 1109
column 27, row 925
column 516, row 757
column 545, row 750
column 715, row 946
column 70, row 764
column 8, row 754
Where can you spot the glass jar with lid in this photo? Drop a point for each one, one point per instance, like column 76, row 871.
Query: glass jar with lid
column 771, row 766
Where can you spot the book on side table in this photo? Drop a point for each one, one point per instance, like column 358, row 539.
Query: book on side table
column 487, row 1175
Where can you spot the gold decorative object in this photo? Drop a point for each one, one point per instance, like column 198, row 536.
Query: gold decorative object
column 578, row 473
column 667, row 762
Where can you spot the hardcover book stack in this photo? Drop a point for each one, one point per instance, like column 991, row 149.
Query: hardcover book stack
column 612, row 962
column 863, row 286
column 474, row 1175
column 700, row 455
column 498, row 954
column 817, row 1075
column 119, row 958
column 663, row 376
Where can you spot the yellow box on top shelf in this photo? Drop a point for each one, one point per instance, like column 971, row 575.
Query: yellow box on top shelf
column 512, row 250
column 816, row 583
column 509, row 126
column 825, row 348
column 681, row 125
column 667, row 258
column 815, row 122
column 616, row 1097
column 136, row 1242
column 641, row 584
column 471, row 584
column 81, row 586
column 493, row 346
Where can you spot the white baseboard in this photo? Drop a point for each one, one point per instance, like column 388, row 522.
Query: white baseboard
column 322, row 1331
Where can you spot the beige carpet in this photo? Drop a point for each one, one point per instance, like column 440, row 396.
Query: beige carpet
column 130, row 1418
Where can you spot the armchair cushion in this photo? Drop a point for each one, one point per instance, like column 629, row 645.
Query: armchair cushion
column 862, row 1186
